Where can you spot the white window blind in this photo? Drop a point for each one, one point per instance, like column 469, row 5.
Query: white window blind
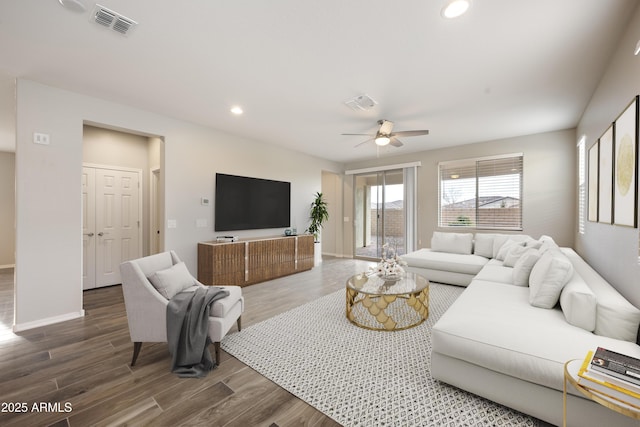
column 582, row 185
column 481, row 193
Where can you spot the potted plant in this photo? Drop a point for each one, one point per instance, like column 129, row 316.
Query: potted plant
column 318, row 214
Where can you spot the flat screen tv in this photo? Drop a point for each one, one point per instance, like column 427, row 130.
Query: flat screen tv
column 244, row 203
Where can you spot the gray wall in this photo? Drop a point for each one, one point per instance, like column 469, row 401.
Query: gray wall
column 549, row 182
column 48, row 196
column 7, row 209
column 613, row 250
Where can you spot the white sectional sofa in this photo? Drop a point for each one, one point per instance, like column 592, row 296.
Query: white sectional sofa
column 529, row 307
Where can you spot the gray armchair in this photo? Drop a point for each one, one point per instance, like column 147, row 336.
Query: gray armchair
column 146, row 306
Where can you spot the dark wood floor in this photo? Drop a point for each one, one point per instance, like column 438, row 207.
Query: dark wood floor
column 77, row 372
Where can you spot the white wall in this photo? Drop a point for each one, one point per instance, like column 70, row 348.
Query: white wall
column 48, row 202
column 613, row 250
column 7, row 208
column 548, row 182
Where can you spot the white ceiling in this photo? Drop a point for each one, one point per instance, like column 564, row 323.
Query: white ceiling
column 506, row 68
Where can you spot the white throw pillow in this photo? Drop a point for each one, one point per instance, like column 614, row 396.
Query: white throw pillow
column 513, row 255
column 500, row 239
column 483, row 245
column 453, row 243
column 524, row 265
column 546, row 243
column 552, row 271
column 173, row 280
column 579, row 303
column 506, row 247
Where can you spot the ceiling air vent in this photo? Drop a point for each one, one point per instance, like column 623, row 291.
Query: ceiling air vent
column 113, row 20
column 361, row 103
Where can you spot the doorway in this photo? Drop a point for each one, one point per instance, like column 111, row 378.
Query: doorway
column 111, row 220
column 140, row 197
column 380, row 215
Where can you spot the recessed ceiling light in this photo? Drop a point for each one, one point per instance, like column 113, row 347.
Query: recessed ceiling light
column 75, row 5
column 455, row 8
column 236, row 110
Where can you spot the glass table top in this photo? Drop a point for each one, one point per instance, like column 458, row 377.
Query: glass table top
column 372, row 283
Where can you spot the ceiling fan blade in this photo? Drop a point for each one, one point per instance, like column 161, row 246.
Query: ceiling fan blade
column 359, row 134
column 395, row 142
column 364, row 142
column 385, row 127
column 410, row 133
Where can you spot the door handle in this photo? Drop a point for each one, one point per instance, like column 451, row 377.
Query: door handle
column 101, row 234
column 88, row 234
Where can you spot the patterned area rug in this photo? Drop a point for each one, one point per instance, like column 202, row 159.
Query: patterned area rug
column 360, row 377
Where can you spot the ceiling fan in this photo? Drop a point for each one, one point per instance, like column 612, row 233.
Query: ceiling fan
column 385, row 136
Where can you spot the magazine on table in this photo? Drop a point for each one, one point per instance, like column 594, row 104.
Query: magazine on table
column 608, row 386
column 617, row 365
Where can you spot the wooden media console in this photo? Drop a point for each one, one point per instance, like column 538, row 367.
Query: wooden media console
column 250, row 261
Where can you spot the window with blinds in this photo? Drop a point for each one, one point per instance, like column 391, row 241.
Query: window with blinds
column 582, row 185
column 481, row 193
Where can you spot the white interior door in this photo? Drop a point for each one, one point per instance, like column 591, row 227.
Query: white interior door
column 116, row 224
column 88, row 228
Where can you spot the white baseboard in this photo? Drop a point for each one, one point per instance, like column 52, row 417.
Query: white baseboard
column 19, row 327
column 334, row 255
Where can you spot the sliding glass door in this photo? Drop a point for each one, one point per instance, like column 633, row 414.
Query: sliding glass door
column 380, row 213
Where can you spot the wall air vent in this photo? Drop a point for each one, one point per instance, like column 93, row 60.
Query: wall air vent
column 361, row 103
column 113, row 20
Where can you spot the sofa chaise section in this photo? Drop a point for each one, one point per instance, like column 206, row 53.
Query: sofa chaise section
column 507, row 338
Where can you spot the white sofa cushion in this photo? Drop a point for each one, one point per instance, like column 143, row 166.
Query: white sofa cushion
column 548, row 276
column 453, row 243
column 513, row 255
column 578, row 303
column 483, row 244
column 495, row 272
column 500, row 239
column 615, row 316
column 506, row 247
column 455, row 263
column 172, row 281
column 492, row 325
column 524, row 265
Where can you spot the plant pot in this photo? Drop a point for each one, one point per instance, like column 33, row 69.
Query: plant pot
column 317, row 254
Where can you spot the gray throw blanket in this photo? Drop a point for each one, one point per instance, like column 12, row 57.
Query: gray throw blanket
column 188, row 331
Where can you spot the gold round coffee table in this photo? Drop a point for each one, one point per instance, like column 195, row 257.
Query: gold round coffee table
column 387, row 304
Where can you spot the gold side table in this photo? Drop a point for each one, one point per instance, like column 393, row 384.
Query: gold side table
column 571, row 369
column 385, row 304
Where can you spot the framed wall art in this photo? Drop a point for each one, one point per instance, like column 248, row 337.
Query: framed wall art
column 605, row 177
column 592, row 170
column 625, row 177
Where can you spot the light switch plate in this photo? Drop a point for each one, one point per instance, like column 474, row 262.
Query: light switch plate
column 40, row 138
column 172, row 223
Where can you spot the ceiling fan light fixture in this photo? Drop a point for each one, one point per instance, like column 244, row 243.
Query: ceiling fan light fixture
column 454, row 8
column 382, row 140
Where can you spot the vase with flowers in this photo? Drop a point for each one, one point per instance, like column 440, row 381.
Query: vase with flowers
column 391, row 265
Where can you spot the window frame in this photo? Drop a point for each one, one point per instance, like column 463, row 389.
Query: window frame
column 476, row 169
